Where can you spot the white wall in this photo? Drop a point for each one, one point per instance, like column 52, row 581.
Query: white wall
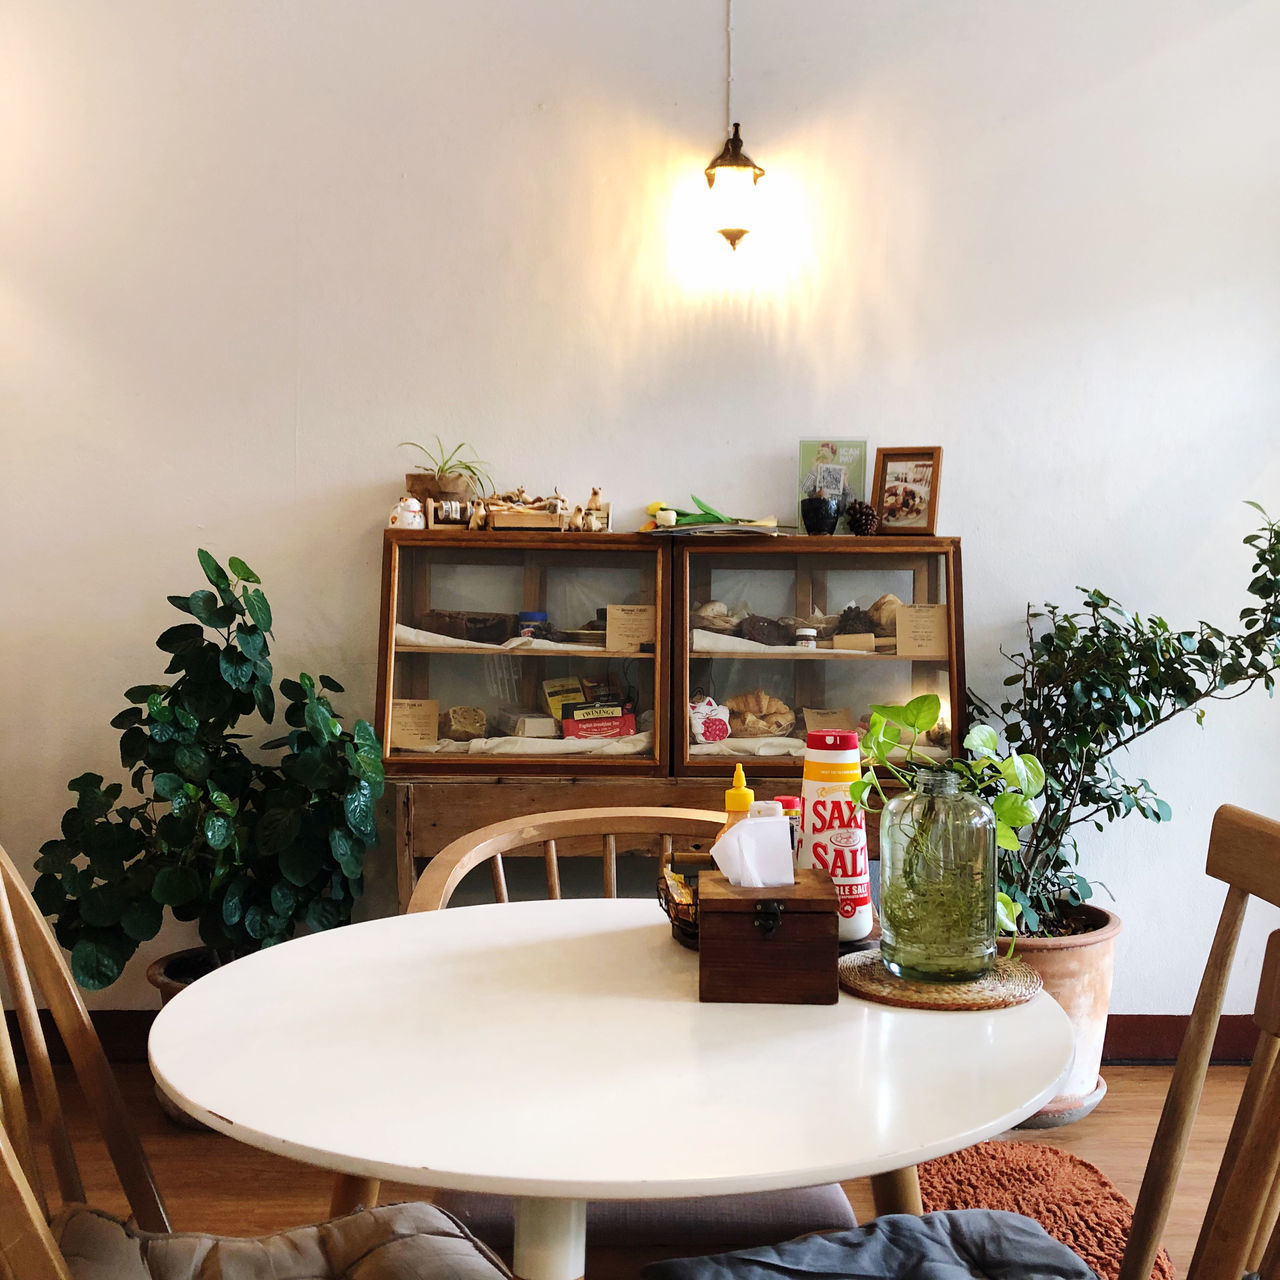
column 247, row 247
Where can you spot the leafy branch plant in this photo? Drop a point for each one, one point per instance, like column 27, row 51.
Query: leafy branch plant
column 249, row 849
column 1091, row 683
column 1010, row 784
column 450, row 462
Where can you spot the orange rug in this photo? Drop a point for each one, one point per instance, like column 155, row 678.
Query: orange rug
column 1067, row 1196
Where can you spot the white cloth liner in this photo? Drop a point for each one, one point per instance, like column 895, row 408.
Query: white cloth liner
column 433, row 639
column 793, row 747
column 636, row 745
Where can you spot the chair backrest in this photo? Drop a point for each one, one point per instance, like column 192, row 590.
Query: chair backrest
column 31, row 960
column 1239, row 1228
column 696, row 827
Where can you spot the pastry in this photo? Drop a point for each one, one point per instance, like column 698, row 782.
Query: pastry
column 759, row 715
column 884, row 613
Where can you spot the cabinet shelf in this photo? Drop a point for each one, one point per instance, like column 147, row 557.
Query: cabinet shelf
column 471, row 651
column 785, row 654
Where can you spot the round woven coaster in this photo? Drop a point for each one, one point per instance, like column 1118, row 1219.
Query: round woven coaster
column 1010, row 982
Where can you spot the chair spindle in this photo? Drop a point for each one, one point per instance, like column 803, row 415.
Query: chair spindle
column 610, row 863
column 553, row 868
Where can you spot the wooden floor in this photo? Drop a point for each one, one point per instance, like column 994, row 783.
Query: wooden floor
column 214, row 1184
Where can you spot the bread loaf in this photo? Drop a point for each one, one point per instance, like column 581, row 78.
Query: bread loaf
column 461, row 724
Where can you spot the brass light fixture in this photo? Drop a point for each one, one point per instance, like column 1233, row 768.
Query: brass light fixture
column 732, row 177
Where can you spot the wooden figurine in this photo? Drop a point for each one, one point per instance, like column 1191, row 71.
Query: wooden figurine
column 575, row 519
column 594, row 502
column 478, row 513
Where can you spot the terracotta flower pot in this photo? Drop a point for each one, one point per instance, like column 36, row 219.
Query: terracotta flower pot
column 430, row 487
column 178, row 970
column 170, row 975
column 1077, row 972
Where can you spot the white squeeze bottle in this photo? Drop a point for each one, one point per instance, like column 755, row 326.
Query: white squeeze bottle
column 833, row 831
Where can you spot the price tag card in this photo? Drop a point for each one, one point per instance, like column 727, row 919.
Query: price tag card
column 415, row 723
column 922, row 631
column 628, row 626
column 816, row 719
column 863, row 643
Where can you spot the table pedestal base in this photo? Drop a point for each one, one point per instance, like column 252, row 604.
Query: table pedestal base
column 897, row 1192
column 551, row 1239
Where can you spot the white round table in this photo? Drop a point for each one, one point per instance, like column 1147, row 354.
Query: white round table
column 557, row 1051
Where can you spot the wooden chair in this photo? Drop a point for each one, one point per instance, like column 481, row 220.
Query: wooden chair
column 446, row 871
column 621, row 1236
column 1239, row 1229
column 31, row 959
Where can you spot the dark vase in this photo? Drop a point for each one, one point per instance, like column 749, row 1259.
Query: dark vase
column 820, row 515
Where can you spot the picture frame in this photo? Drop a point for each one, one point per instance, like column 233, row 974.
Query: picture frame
column 905, row 490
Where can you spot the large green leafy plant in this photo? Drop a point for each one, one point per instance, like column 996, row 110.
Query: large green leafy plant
column 248, row 848
column 1091, row 683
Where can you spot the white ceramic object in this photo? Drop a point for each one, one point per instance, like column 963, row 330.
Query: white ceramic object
column 407, row 514
column 556, row 1051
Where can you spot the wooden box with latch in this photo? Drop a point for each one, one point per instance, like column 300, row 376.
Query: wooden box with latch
column 777, row 945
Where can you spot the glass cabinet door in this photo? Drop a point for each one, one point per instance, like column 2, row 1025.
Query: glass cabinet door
column 523, row 653
column 797, row 634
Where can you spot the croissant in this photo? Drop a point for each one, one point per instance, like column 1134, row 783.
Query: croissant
column 759, row 715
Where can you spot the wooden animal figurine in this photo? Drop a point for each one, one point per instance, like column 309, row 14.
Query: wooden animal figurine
column 594, row 502
column 593, row 522
column 477, row 516
column 407, row 514
column 575, row 519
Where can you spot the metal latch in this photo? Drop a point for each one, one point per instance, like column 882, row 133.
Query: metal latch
column 768, row 916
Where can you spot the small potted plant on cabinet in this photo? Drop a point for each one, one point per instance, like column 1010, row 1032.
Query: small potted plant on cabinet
column 1089, row 684
column 250, row 850
column 450, row 475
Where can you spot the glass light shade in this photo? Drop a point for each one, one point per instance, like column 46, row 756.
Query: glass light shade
column 732, row 178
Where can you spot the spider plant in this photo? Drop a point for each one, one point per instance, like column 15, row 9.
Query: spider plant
column 450, row 462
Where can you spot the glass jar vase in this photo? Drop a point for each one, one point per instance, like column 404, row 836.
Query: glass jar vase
column 938, row 882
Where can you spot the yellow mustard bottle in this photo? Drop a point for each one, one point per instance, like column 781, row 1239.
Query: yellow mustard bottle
column 738, row 799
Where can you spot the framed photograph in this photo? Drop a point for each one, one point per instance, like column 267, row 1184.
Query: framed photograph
column 837, row 468
column 905, row 493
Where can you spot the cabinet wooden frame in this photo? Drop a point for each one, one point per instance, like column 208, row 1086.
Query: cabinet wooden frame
column 537, row 549
column 923, row 556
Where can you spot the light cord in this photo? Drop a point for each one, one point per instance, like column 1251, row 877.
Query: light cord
column 728, row 83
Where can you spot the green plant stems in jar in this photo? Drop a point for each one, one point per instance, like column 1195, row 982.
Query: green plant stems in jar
column 938, row 882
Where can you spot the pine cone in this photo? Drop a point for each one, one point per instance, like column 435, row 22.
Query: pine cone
column 862, row 517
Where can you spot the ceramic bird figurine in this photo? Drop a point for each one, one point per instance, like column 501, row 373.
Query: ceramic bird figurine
column 407, row 514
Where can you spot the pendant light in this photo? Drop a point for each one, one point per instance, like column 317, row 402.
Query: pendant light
column 732, row 175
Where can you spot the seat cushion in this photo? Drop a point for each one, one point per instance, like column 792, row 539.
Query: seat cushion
column 394, row 1242
column 707, row 1223
column 956, row 1245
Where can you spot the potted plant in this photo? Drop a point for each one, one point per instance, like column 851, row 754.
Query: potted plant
column 449, row 476
column 939, row 907
column 1087, row 685
column 250, row 849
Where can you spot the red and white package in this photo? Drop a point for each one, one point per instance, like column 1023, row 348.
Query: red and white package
column 708, row 720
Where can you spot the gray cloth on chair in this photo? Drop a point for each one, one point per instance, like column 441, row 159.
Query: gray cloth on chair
column 394, row 1242
column 709, row 1222
column 957, row 1245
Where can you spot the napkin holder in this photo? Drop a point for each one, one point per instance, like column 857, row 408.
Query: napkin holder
column 778, row 945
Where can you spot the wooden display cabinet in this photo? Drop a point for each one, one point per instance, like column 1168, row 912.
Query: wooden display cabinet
column 796, row 578
column 441, row 795
column 432, row 578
